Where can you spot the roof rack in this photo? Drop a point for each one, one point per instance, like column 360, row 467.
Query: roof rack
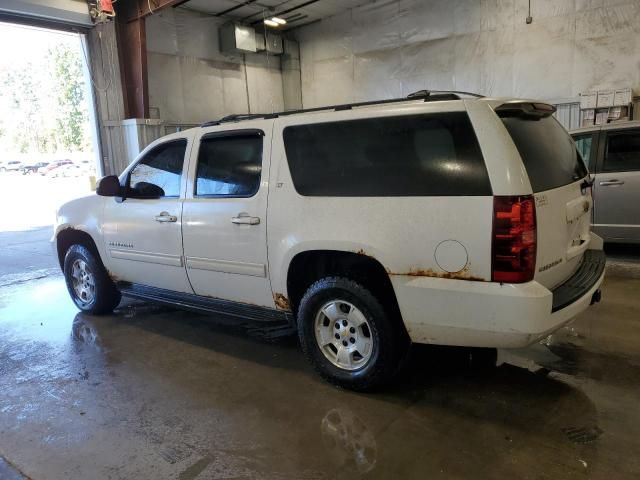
column 424, row 95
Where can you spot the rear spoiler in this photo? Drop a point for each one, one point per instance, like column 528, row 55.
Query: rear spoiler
column 531, row 110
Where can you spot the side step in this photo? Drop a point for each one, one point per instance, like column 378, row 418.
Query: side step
column 264, row 322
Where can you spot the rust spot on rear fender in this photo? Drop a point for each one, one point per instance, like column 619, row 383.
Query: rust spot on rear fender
column 361, row 251
column 428, row 272
column 282, row 302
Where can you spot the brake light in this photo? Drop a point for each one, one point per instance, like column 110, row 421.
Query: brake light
column 514, row 239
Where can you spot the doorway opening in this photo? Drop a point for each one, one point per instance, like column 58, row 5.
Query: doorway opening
column 48, row 140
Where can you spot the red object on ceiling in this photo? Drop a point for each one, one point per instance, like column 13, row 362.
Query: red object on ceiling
column 106, row 6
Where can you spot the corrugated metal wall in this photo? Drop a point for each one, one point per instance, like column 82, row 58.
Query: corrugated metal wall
column 568, row 114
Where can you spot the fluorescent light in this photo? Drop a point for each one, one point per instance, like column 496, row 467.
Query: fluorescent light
column 279, row 21
column 271, row 23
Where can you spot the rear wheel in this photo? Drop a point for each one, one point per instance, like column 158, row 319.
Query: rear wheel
column 348, row 336
column 88, row 283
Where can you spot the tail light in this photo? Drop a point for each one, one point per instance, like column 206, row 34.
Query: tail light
column 514, row 239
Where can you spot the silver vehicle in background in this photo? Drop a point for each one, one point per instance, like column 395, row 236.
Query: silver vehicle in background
column 10, row 166
column 612, row 153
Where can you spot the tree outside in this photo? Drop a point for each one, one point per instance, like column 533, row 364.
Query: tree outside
column 43, row 105
column 45, row 126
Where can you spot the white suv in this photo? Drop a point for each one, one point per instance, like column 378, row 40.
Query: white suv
column 435, row 219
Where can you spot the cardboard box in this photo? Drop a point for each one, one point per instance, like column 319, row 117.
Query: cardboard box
column 605, row 98
column 588, row 100
column 619, row 114
column 602, row 117
column 622, row 97
column 614, row 113
column 588, row 117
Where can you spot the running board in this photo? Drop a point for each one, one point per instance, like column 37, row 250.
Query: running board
column 197, row 303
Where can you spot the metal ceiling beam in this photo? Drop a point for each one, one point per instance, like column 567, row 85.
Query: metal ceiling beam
column 131, row 10
column 240, row 5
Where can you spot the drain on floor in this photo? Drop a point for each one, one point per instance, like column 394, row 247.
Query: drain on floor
column 582, row 434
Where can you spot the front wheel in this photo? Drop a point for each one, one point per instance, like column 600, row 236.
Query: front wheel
column 88, row 283
column 348, row 336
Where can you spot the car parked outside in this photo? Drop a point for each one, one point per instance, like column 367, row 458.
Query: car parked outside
column 28, row 168
column 11, row 166
column 53, row 165
column 612, row 153
column 69, row 170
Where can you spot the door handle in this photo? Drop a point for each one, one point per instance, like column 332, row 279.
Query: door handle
column 164, row 217
column 608, row 183
column 245, row 219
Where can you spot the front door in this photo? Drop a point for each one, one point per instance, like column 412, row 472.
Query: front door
column 617, row 187
column 143, row 236
column 224, row 215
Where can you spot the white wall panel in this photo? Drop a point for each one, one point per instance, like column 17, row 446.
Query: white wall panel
column 165, row 80
column 383, row 47
column 191, row 81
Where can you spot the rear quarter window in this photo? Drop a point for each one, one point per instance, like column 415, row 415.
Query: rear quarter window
column 416, row 155
column 547, row 151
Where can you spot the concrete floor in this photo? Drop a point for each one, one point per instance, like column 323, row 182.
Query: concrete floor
column 152, row 392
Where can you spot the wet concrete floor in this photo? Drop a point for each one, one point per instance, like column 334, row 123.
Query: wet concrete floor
column 154, row 393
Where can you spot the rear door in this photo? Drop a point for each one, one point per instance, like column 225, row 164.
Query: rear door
column 225, row 214
column 617, row 186
column 563, row 200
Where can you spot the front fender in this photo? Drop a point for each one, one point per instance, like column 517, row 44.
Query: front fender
column 83, row 214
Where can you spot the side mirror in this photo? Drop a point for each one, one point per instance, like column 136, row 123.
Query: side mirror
column 146, row 190
column 109, row 186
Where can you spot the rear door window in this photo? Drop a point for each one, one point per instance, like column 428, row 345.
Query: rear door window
column 623, row 152
column 547, row 151
column 229, row 166
column 416, row 155
column 583, row 144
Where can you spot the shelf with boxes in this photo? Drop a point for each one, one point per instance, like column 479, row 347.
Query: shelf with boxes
column 606, row 106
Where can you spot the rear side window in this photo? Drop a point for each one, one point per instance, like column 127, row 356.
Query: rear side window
column 623, row 152
column 229, row 166
column 548, row 153
column 417, row 155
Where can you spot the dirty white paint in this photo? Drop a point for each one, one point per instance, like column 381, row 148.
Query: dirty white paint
column 389, row 49
column 190, row 80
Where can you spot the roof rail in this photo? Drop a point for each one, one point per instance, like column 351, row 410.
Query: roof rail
column 424, row 95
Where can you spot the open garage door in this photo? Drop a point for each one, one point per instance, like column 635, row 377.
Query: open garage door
column 48, row 147
column 62, row 14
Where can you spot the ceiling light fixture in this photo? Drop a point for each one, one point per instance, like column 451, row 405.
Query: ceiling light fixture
column 279, row 21
column 271, row 23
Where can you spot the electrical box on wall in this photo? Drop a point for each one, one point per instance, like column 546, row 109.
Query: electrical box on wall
column 273, row 44
column 236, row 38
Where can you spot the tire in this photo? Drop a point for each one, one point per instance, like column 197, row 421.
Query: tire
column 88, row 282
column 382, row 341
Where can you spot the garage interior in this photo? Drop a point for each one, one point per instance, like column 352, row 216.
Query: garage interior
column 155, row 392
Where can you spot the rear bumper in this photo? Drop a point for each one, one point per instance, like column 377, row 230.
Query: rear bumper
column 589, row 272
column 486, row 314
